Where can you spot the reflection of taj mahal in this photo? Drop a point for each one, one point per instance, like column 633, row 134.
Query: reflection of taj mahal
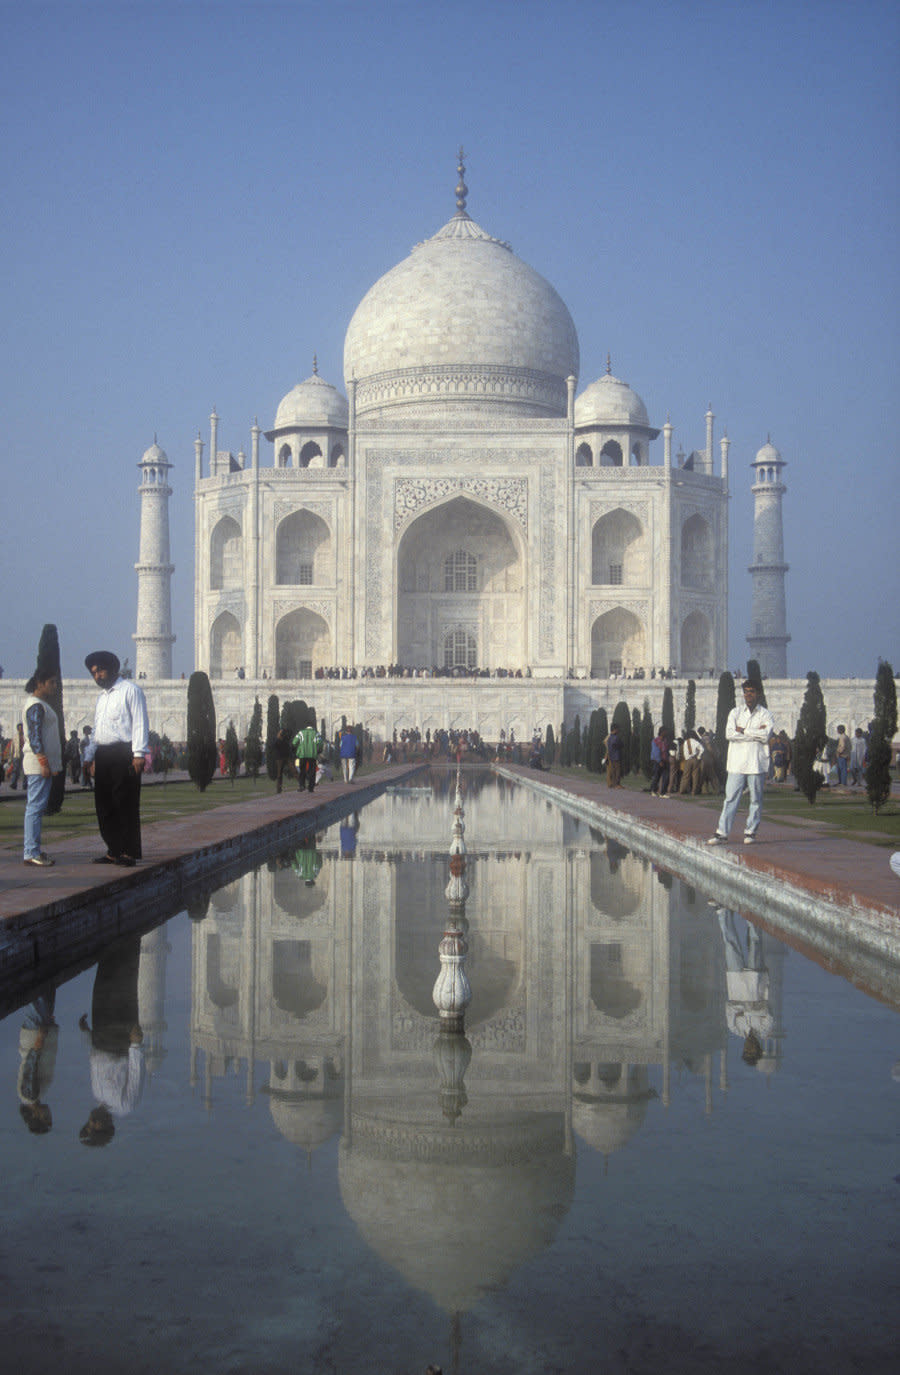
column 598, row 985
column 463, row 506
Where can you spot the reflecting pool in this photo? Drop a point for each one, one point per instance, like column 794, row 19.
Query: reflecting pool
column 665, row 1142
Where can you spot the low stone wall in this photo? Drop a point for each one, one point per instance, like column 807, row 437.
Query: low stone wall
column 487, row 705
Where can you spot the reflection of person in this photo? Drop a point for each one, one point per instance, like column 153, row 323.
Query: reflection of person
column 747, row 1012
column 41, row 760
column 747, row 732
column 115, row 1039
column 115, row 757
column 38, row 1041
column 307, row 861
column 348, row 829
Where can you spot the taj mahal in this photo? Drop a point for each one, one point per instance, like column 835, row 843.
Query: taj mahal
column 464, row 505
column 465, row 535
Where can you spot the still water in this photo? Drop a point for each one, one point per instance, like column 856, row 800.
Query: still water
column 667, row 1143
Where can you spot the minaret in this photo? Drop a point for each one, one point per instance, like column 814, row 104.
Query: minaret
column 768, row 636
column 153, row 637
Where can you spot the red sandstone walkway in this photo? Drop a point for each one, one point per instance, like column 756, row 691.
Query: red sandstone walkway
column 847, row 871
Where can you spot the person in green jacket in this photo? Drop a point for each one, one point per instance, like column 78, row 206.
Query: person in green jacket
column 307, row 743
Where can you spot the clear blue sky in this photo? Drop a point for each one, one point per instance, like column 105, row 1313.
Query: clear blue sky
column 197, row 196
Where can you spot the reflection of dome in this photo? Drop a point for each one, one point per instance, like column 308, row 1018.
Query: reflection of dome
column 457, row 1225
column 311, row 404
column 306, row 1122
column 610, row 402
column 462, row 319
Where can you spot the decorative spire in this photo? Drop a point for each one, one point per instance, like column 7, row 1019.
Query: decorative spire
column 315, row 365
column 461, row 189
column 609, row 365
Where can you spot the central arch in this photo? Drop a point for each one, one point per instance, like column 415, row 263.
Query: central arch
column 460, row 570
column 617, row 643
column 302, row 644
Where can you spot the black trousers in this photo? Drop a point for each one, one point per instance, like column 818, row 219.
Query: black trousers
column 117, row 799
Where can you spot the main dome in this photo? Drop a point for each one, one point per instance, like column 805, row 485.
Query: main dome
column 461, row 323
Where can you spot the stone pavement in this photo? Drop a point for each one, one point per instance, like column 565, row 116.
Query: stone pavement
column 850, row 872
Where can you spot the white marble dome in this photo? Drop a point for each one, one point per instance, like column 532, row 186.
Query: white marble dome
column 461, row 321
column 155, row 454
column 312, row 404
column 768, row 453
column 610, row 402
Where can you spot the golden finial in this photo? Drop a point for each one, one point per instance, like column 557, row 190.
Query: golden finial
column 315, row 365
column 609, row 365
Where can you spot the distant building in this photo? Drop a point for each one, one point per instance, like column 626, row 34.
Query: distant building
column 464, row 505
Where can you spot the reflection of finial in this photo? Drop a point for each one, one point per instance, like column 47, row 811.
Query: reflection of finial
column 315, row 365
column 461, row 189
column 608, row 365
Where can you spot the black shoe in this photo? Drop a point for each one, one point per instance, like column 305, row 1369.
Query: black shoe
column 124, row 861
column 103, row 859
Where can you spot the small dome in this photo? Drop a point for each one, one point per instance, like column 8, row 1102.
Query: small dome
column 768, row 453
column 462, row 321
column 155, row 454
column 313, row 403
column 608, row 401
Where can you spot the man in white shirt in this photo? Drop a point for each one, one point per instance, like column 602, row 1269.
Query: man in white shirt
column 747, row 732
column 115, row 759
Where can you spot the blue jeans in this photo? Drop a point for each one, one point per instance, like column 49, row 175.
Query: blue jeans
column 734, row 786
column 37, row 795
column 842, row 769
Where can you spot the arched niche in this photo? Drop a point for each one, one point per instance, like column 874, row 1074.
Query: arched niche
column 618, row 882
column 619, row 551
column 221, row 973
column 584, row 457
column 698, row 563
column 226, row 555
column 617, row 642
column 696, row 644
column 612, row 992
column 311, row 455
column 283, row 457
column 296, row 898
column 303, row 550
column 338, row 458
column 486, row 599
column 297, row 986
column 611, row 454
column 302, row 644
column 225, row 654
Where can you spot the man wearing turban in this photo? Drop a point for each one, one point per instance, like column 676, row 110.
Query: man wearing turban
column 115, row 758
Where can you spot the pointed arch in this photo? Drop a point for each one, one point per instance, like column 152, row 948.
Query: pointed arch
column 303, row 550
column 226, row 555
column 619, row 550
column 697, row 553
column 302, row 644
column 617, row 642
column 225, row 651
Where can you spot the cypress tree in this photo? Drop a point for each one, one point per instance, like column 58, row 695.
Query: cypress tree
column 201, row 730
column 48, row 662
column 690, row 706
column 646, row 740
column 668, row 712
column 724, row 705
column 811, row 736
column 272, row 719
column 622, row 719
column 754, row 675
column 635, row 741
column 884, row 728
column 232, row 752
column 595, row 751
column 253, row 750
column 549, row 745
column 603, row 727
column 294, row 716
